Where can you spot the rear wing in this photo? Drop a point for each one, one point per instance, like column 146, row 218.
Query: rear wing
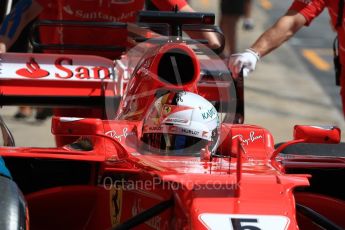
column 57, row 80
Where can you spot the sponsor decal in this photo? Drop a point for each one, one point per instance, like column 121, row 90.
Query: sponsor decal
column 64, row 69
column 103, row 16
column 175, row 120
column 119, row 136
column 32, row 70
column 153, row 128
column 251, row 139
column 179, row 96
column 68, row 10
column 115, row 205
column 80, row 72
column 176, row 114
column 190, row 132
column 210, row 114
column 173, row 129
column 56, row 67
column 169, row 129
column 166, row 109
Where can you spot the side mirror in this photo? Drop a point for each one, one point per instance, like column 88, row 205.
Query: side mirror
column 317, row 134
column 74, row 126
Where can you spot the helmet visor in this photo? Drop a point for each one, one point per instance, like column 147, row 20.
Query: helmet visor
column 173, row 144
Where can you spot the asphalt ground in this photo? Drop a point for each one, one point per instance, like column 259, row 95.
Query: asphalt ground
column 281, row 93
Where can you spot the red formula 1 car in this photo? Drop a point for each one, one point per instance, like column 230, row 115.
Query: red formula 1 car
column 162, row 149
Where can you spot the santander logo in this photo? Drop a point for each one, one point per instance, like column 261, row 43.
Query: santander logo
column 32, row 70
column 63, row 68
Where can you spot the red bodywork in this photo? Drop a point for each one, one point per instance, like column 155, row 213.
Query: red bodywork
column 113, row 183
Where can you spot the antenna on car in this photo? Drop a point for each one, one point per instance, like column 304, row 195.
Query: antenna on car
column 240, row 154
column 176, row 29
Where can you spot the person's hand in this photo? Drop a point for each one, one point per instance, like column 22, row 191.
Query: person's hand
column 213, row 40
column 245, row 61
column 2, row 48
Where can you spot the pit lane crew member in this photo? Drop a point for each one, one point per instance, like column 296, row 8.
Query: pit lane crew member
column 301, row 13
column 86, row 10
column 181, row 124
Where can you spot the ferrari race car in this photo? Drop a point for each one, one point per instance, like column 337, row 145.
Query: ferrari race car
column 155, row 140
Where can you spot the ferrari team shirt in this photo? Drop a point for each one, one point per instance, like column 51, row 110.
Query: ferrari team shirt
column 101, row 10
column 93, row 11
column 312, row 8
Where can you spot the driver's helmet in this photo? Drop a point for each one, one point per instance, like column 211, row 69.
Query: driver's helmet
column 181, row 123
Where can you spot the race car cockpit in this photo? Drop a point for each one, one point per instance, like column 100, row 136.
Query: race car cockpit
column 179, row 104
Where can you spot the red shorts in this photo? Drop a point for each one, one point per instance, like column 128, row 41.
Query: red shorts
column 232, row 7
